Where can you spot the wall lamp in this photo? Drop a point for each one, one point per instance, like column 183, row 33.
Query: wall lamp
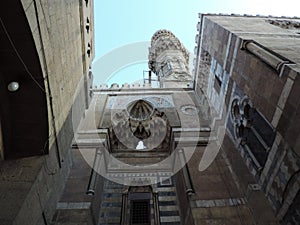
column 13, row 86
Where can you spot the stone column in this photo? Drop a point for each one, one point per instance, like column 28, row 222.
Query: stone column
column 186, row 176
column 156, row 209
column 94, row 174
column 124, row 208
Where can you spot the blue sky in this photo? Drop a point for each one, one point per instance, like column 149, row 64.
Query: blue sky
column 122, row 22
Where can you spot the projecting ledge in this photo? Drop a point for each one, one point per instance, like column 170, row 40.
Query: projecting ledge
column 266, row 55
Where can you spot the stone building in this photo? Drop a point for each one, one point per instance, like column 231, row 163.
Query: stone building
column 248, row 67
column 214, row 146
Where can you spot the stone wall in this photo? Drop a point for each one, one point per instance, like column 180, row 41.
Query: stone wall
column 252, row 80
column 62, row 52
column 31, row 187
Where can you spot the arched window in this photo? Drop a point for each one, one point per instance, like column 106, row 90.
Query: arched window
column 87, row 27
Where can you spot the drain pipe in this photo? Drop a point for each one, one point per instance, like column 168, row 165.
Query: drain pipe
column 186, row 175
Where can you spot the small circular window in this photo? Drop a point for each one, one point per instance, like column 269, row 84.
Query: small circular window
column 189, row 110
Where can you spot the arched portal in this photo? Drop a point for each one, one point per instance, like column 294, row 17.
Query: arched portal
column 23, row 107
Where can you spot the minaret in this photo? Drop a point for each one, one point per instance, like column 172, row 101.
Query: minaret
column 169, row 60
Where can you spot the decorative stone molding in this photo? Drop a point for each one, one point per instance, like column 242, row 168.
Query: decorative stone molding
column 220, row 202
column 103, row 86
column 114, row 85
column 125, row 86
column 139, row 121
column 285, row 24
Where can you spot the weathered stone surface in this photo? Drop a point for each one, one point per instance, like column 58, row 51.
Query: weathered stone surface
column 254, row 74
column 33, row 185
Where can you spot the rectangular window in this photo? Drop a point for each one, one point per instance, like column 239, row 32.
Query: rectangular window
column 218, row 78
column 217, row 84
column 165, row 181
column 167, row 69
column 140, row 212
